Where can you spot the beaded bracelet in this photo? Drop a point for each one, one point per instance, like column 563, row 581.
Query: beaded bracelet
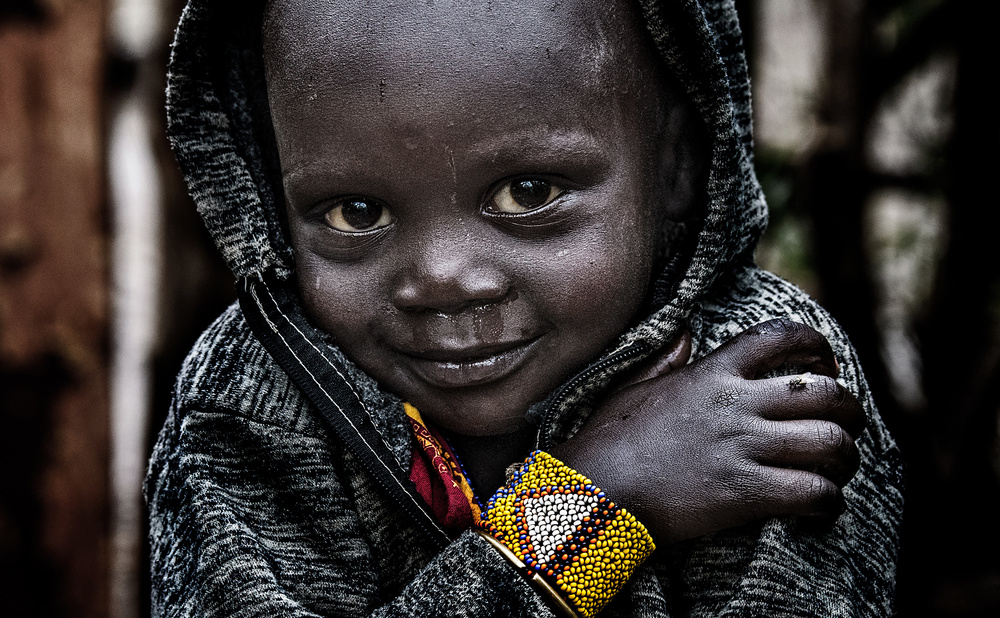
column 563, row 529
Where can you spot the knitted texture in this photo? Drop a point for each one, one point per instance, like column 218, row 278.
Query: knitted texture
column 257, row 510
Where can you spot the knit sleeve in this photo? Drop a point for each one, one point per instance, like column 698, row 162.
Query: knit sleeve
column 788, row 568
column 251, row 519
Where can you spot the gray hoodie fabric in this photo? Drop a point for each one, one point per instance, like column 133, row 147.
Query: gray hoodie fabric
column 278, row 485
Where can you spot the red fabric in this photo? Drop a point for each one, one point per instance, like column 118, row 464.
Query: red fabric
column 439, row 480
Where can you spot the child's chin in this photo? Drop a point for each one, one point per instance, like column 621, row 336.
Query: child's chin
column 475, row 416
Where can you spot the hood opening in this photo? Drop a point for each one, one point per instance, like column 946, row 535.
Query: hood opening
column 219, row 125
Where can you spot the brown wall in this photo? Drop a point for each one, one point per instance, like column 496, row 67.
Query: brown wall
column 53, row 310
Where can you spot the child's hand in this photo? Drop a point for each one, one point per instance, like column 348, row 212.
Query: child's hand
column 698, row 448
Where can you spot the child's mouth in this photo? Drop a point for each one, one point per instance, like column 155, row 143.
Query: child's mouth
column 470, row 366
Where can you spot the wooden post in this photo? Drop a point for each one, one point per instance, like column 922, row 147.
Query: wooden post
column 53, row 311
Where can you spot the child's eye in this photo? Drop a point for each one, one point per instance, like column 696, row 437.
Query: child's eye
column 357, row 215
column 519, row 196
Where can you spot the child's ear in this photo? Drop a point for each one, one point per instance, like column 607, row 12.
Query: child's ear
column 684, row 155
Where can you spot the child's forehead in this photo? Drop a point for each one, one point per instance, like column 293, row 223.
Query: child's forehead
column 587, row 47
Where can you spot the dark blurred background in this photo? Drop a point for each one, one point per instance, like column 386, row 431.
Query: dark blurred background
column 877, row 143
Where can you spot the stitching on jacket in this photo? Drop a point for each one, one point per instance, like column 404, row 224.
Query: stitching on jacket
column 318, row 351
column 253, row 293
column 332, row 366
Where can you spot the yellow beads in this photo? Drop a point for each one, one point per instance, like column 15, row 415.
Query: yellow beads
column 563, row 527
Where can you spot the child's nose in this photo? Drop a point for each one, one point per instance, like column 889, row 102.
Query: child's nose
column 449, row 276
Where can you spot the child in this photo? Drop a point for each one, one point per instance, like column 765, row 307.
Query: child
column 506, row 216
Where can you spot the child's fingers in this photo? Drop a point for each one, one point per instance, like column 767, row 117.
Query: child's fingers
column 808, row 396
column 769, row 345
column 787, row 491
column 811, row 445
column 673, row 357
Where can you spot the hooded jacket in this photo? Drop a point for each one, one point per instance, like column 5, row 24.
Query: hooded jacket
column 279, row 483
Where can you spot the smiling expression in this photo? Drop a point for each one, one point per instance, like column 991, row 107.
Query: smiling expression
column 469, row 190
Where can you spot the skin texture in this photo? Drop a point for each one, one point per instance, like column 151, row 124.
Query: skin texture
column 726, row 445
column 475, row 195
column 469, row 312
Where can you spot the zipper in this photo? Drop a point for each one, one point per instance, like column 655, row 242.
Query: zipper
column 352, row 439
column 374, row 471
column 635, row 349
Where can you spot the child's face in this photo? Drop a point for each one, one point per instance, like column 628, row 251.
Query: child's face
column 469, row 191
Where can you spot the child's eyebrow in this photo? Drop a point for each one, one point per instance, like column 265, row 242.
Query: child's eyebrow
column 339, row 169
column 531, row 146
column 539, row 145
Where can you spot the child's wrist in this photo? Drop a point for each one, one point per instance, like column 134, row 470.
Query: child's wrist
column 558, row 526
column 615, row 478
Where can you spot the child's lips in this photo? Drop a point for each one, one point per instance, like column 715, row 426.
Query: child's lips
column 470, row 366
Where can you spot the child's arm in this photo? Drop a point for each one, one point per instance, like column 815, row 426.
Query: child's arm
column 714, row 444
